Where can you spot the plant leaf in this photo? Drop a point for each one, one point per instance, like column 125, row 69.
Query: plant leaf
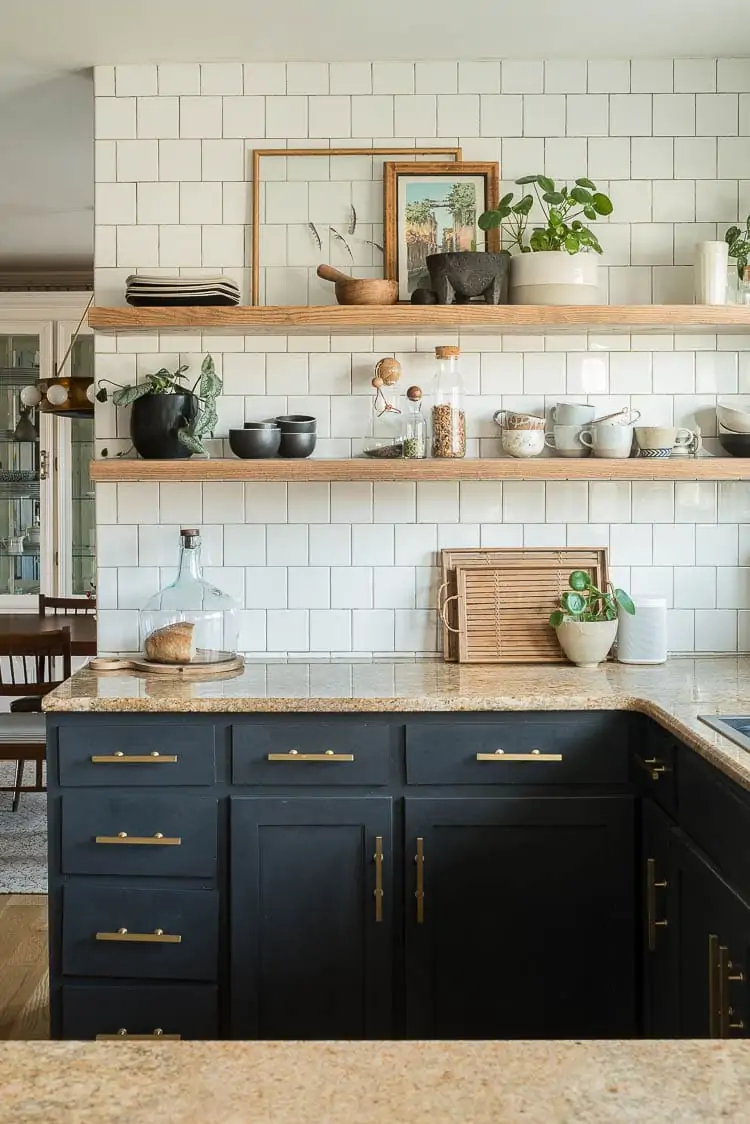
column 128, row 394
column 353, row 220
column 190, row 442
column 554, row 198
column 556, row 618
column 528, row 179
column 624, row 601
column 602, row 204
column 579, row 580
column 572, row 244
column 489, row 220
column 581, row 195
column 524, row 205
column 583, row 182
column 101, row 394
column 545, row 183
column 340, row 238
column 314, row 231
column 573, row 603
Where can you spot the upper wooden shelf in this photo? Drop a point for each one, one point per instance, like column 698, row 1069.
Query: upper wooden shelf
column 367, row 469
column 407, row 318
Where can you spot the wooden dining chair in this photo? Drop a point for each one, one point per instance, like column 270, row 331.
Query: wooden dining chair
column 30, row 666
column 66, row 606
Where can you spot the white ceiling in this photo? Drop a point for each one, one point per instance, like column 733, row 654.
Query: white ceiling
column 77, row 33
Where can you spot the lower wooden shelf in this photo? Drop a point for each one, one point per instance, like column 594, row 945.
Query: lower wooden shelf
column 366, row 469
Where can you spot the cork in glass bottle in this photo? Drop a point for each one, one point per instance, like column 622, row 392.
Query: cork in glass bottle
column 448, row 413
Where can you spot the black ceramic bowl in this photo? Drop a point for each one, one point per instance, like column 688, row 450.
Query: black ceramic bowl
column 297, row 423
column 297, row 444
column 256, row 442
column 736, row 444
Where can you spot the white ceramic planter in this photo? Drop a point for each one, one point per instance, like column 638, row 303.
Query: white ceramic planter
column 554, row 277
column 586, row 643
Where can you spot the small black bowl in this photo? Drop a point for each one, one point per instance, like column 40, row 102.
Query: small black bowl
column 261, row 425
column 297, row 423
column 297, row 444
column 736, row 444
column 252, row 444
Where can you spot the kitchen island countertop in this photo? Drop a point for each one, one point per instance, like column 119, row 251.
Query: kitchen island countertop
column 673, row 694
column 689, row 1082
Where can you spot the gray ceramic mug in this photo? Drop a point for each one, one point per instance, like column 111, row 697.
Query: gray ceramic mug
column 572, row 413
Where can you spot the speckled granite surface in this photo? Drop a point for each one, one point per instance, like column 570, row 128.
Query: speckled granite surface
column 375, row 1082
column 674, row 693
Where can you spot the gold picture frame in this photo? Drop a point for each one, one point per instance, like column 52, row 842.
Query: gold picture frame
column 260, row 153
column 486, row 173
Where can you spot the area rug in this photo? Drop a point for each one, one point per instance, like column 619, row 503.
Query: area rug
column 23, row 838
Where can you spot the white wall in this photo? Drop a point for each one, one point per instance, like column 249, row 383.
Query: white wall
column 351, row 567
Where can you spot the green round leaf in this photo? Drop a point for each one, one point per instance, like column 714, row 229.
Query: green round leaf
column 732, row 234
column 573, row 603
column 572, row 245
column 506, row 199
column 590, row 213
column 583, row 182
column 528, row 179
column 556, row 618
column 581, row 195
column 624, row 601
column 489, row 220
column 579, row 580
column 555, row 218
column 523, row 206
column 101, row 394
column 603, row 204
column 545, row 183
column 554, row 198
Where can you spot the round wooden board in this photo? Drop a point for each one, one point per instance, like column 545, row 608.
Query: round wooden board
column 175, row 671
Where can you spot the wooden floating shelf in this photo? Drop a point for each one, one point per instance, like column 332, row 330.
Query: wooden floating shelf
column 365, row 469
column 413, row 319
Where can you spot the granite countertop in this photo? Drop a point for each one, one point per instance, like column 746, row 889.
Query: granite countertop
column 684, row 1082
column 673, row 693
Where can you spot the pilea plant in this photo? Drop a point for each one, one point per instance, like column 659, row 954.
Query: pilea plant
column 562, row 208
column 204, row 392
column 584, row 603
column 738, row 241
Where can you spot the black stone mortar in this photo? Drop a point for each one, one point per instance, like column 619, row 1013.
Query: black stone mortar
column 460, row 276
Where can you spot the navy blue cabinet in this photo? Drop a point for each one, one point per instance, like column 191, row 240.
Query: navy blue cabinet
column 312, row 917
column 659, row 925
column 519, row 917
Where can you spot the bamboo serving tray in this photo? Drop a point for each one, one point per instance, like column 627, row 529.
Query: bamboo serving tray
column 591, row 559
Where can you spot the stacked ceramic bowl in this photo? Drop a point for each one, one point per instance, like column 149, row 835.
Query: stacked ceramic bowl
column 291, row 435
column 521, row 435
column 734, row 430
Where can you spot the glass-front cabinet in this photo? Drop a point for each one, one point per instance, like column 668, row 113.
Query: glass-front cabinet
column 47, row 517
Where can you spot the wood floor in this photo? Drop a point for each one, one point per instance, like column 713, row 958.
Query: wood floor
column 24, row 981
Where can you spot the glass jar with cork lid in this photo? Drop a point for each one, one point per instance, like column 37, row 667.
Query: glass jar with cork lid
column 448, row 413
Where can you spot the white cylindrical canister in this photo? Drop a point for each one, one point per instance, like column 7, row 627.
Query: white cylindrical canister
column 642, row 638
column 710, row 272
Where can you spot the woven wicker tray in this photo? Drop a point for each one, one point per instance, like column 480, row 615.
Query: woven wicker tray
column 522, row 597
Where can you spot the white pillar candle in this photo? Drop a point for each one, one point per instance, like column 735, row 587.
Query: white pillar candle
column 711, row 261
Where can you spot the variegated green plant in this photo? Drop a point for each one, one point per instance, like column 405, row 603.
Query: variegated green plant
column 585, row 603
column 204, row 393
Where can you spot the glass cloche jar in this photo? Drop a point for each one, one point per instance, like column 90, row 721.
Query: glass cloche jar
column 191, row 598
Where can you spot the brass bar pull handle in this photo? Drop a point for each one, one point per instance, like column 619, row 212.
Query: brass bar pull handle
column 714, row 1013
column 155, row 840
column 534, row 755
column 651, row 765
column 378, row 891
column 419, row 892
column 118, row 757
column 727, row 976
column 157, row 1032
column 157, row 937
column 295, row 755
column 652, row 885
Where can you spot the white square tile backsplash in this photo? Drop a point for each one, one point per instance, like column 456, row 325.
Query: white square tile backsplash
column 344, row 568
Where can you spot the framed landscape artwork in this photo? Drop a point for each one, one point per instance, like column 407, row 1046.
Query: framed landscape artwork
column 431, row 209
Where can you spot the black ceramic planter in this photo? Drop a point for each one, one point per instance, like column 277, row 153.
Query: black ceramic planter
column 154, row 422
column 462, row 275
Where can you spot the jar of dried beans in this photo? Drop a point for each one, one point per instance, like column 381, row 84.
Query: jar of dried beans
column 448, row 413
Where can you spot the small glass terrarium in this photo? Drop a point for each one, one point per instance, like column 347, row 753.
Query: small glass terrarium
column 385, row 438
column 191, row 599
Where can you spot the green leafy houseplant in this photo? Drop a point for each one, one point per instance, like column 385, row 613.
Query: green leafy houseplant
column 738, row 241
column 562, row 208
column 583, row 603
column 203, row 394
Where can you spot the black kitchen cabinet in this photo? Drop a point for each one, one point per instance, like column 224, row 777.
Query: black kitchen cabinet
column 312, row 910
column 519, row 916
column 659, row 929
column 713, row 932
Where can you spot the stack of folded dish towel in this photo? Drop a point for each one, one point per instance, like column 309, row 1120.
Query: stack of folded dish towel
column 144, row 290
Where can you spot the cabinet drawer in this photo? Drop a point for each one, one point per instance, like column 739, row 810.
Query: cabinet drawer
column 166, row 835
column 653, row 765
column 289, row 753
column 91, row 1011
column 571, row 748
column 138, row 753
column 185, row 949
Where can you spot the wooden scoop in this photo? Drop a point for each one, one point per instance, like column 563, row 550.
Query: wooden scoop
column 359, row 290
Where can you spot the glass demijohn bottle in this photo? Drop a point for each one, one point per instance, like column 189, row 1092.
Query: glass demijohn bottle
column 191, row 598
column 448, row 414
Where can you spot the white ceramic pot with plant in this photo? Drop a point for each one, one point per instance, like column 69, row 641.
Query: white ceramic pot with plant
column 558, row 263
column 586, row 621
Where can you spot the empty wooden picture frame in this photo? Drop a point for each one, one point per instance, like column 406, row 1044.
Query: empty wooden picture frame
column 433, row 208
column 305, row 225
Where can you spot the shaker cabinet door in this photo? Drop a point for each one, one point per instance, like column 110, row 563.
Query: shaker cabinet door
column 312, row 917
column 520, row 918
column 659, row 926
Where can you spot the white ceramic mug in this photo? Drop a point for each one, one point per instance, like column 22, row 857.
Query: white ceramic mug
column 612, row 441
column 663, row 436
column 572, row 413
column 522, row 442
column 566, row 441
